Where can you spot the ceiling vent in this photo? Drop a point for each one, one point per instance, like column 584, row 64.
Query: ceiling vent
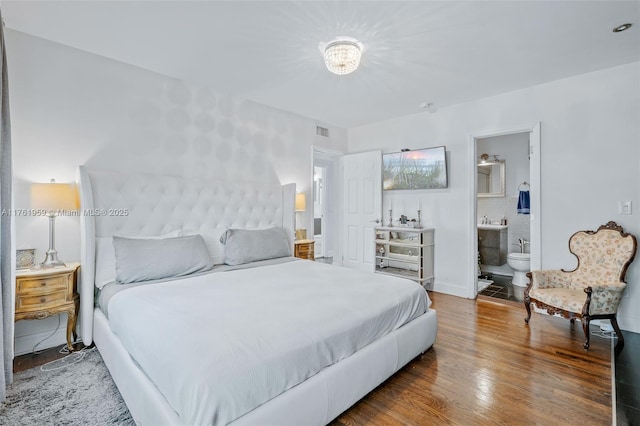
column 322, row 131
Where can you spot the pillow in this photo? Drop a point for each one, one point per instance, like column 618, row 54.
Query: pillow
column 245, row 246
column 106, row 256
column 144, row 260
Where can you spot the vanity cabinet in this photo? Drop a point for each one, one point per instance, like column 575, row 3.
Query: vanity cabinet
column 492, row 244
column 405, row 252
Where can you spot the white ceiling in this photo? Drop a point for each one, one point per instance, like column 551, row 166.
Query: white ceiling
column 444, row 52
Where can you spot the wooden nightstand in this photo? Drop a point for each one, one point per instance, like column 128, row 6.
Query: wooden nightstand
column 304, row 249
column 41, row 293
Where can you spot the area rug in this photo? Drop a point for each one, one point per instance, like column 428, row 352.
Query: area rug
column 76, row 390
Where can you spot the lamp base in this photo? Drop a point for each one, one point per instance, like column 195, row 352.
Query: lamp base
column 301, row 234
column 51, row 260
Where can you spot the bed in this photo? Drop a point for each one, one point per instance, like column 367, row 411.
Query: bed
column 263, row 339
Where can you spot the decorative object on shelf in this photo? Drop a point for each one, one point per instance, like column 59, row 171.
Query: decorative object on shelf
column 25, row 258
column 390, row 217
column 54, row 199
column 342, row 55
column 300, row 206
column 419, row 224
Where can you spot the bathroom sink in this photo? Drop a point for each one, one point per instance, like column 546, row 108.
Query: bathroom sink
column 492, row 227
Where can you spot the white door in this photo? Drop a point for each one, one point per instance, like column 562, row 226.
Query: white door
column 362, row 177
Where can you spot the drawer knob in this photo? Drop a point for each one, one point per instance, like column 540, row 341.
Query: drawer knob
column 43, row 283
column 43, row 299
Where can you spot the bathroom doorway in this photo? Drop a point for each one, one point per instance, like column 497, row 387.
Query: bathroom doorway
column 506, row 174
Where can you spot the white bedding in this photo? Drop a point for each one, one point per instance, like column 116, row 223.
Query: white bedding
column 219, row 345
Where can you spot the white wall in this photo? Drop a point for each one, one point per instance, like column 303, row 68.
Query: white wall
column 69, row 107
column 589, row 154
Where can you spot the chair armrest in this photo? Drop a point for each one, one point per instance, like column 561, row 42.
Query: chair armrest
column 550, row 278
column 614, row 286
column 605, row 298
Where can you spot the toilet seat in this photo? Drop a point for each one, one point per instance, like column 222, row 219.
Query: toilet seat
column 519, row 256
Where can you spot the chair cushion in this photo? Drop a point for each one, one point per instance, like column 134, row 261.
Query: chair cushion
column 571, row 300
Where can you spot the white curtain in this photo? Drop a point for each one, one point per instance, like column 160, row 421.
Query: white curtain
column 6, row 231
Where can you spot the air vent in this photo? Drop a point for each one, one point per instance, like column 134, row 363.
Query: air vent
column 322, row 131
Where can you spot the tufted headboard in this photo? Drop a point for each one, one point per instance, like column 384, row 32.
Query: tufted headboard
column 146, row 205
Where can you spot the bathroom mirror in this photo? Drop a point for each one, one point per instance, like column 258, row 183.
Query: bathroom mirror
column 491, row 181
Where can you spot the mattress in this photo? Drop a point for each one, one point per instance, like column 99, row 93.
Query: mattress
column 219, row 345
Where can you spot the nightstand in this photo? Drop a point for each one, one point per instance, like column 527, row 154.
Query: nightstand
column 304, row 249
column 41, row 293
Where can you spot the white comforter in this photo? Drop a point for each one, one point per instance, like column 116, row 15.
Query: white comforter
column 219, row 345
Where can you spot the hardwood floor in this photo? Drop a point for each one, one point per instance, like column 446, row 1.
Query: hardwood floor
column 27, row 361
column 488, row 368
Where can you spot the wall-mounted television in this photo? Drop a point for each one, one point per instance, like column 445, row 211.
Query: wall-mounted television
column 415, row 169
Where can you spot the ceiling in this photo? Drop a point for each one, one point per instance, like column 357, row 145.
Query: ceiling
column 444, row 52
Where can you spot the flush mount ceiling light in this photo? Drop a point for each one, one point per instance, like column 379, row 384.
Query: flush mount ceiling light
column 342, row 55
column 621, row 28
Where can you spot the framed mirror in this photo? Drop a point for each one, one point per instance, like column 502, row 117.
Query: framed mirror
column 491, row 180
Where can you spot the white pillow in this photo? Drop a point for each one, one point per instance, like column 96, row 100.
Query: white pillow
column 106, row 256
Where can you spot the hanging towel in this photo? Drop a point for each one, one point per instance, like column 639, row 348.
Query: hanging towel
column 523, row 202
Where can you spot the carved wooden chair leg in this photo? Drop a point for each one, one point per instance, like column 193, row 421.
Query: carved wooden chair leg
column 585, row 327
column 620, row 344
column 527, row 304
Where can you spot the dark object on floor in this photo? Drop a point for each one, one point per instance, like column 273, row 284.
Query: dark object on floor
column 594, row 289
column 627, row 372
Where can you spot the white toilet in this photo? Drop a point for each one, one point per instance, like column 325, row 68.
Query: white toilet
column 521, row 264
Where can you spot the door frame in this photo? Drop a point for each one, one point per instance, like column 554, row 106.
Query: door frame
column 535, row 188
column 334, row 192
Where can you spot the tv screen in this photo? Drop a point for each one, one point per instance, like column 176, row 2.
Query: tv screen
column 416, row 169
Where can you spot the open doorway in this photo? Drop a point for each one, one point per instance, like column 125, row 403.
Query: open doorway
column 506, row 229
column 503, row 232
column 325, row 197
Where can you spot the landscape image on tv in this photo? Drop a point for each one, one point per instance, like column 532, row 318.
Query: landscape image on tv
column 418, row 169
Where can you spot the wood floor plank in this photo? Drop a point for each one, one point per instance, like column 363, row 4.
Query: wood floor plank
column 488, row 367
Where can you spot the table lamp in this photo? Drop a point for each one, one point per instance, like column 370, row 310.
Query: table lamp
column 300, row 206
column 52, row 198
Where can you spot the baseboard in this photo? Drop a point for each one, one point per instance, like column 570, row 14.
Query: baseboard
column 24, row 344
column 454, row 290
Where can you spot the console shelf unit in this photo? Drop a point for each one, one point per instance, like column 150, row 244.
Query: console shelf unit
column 405, row 252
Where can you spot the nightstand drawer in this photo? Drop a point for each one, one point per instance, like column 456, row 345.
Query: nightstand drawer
column 305, row 250
column 41, row 301
column 42, row 284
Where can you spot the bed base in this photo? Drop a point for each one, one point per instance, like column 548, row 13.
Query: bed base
column 316, row 401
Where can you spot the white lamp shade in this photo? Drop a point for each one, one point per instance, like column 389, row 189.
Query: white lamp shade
column 54, row 196
column 301, row 202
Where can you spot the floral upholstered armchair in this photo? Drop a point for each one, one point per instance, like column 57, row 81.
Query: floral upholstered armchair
column 594, row 289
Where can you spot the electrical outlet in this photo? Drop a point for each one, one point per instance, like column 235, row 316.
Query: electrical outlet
column 624, row 207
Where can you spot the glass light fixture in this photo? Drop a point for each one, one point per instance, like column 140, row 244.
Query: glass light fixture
column 342, row 56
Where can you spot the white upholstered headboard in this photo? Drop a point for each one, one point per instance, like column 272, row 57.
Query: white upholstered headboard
column 145, row 205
